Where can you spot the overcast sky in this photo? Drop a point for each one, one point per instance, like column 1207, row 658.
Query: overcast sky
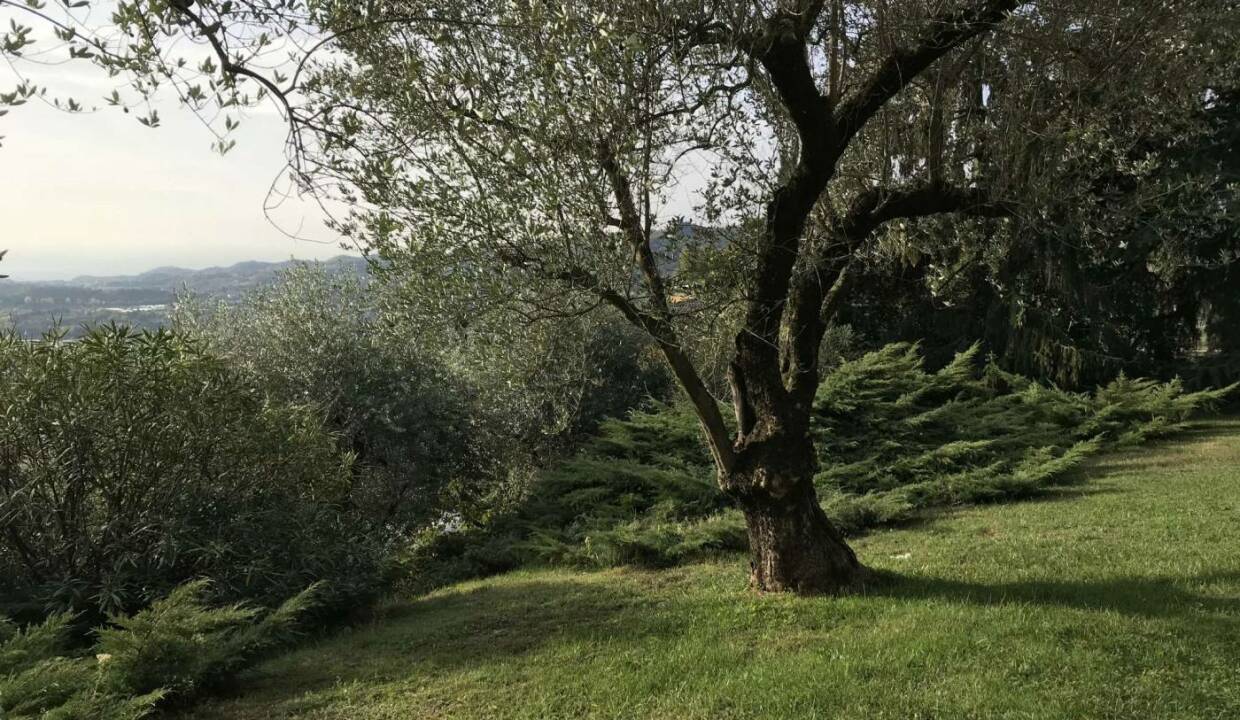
column 100, row 194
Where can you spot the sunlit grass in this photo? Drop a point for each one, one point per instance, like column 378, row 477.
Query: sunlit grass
column 1118, row 598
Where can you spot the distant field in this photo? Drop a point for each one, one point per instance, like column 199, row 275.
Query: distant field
column 1119, row 598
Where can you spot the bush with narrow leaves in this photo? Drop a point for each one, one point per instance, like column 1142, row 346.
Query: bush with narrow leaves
column 892, row 440
column 133, row 462
column 171, row 652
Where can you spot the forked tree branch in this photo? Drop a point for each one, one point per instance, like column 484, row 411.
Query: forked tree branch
column 782, row 317
column 755, row 372
column 875, row 207
column 659, row 328
column 820, row 293
column 946, row 32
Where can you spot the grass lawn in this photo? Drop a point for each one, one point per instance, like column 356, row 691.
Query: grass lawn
column 1118, row 598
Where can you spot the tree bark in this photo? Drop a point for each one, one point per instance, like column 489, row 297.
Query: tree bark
column 793, row 546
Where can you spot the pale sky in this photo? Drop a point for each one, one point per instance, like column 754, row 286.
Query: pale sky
column 101, row 194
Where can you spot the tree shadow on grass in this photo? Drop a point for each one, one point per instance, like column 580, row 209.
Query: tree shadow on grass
column 444, row 632
column 1165, row 598
column 466, row 631
column 453, row 631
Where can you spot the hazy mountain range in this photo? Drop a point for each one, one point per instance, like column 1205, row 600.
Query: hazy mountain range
column 212, row 279
column 143, row 300
column 146, row 299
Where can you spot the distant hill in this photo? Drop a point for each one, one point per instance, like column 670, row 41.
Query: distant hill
column 210, row 280
column 142, row 301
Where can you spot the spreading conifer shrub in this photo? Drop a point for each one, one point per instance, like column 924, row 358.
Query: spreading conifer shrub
column 893, row 440
column 131, row 463
column 171, row 652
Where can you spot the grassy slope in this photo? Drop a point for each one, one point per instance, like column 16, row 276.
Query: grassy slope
column 1117, row 599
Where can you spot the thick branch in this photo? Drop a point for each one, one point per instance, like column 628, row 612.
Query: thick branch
column 834, row 299
column 873, row 208
column 659, row 323
column 704, row 403
column 947, row 31
column 818, row 296
column 756, row 368
column 804, row 14
column 774, row 373
column 664, row 334
column 634, row 230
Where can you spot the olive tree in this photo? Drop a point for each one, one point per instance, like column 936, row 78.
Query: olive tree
column 526, row 159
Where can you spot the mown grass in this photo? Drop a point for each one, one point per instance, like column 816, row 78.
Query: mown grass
column 1118, row 598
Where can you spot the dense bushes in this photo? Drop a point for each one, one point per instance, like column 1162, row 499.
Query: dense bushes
column 300, row 434
column 892, row 440
column 170, row 652
column 445, row 419
column 131, row 463
column 421, row 444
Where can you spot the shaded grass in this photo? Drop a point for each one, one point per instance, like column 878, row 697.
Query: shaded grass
column 1119, row 598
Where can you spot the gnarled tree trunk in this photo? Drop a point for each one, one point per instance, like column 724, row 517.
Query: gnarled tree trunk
column 767, row 470
column 793, row 546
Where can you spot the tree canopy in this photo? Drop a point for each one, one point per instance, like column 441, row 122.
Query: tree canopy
column 517, row 158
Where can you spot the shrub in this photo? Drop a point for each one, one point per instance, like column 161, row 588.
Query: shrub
column 179, row 646
column 625, row 370
column 420, row 443
column 172, row 651
column 444, row 423
column 892, row 440
column 651, row 462
column 133, row 462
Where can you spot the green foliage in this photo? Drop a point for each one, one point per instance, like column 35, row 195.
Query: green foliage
column 892, row 439
column 441, row 556
column 422, row 443
column 1135, row 272
column 648, row 542
column 19, row 648
column 1118, row 602
column 180, row 646
column 439, row 425
column 171, row 651
column 131, row 463
column 633, row 494
column 624, row 371
column 650, row 462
